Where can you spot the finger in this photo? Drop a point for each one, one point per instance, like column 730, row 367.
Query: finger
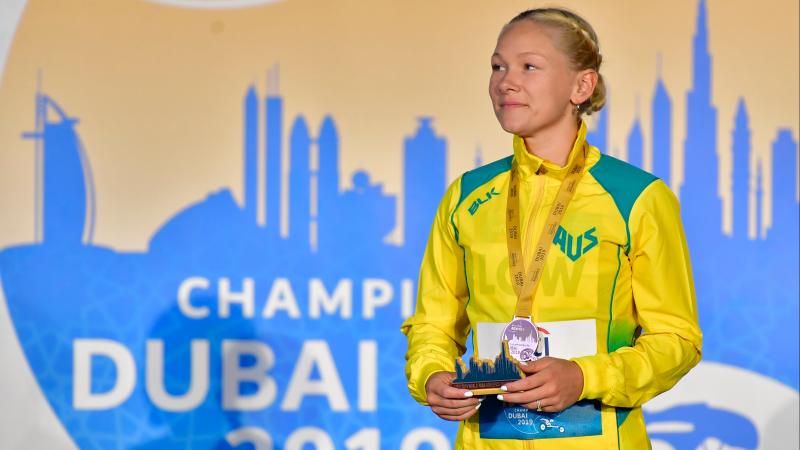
column 449, row 391
column 527, row 367
column 539, row 405
column 517, row 397
column 450, row 403
column 525, row 384
column 453, row 403
column 549, row 405
column 547, row 391
column 536, row 366
column 529, row 396
column 442, row 377
column 453, row 411
column 461, row 417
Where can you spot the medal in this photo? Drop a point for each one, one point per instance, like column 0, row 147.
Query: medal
column 523, row 339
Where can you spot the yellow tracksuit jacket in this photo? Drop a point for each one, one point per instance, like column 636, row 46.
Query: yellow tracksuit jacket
column 619, row 258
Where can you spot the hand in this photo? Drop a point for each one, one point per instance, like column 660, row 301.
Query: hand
column 556, row 383
column 448, row 402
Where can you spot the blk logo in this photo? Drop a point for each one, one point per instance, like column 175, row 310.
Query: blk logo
column 473, row 208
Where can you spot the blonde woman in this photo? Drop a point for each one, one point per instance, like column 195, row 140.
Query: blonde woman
column 584, row 251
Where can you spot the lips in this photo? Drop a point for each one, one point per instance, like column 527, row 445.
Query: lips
column 511, row 105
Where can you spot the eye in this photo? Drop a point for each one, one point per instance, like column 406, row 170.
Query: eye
column 497, row 68
column 530, row 67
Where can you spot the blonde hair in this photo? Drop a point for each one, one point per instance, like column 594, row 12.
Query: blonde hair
column 578, row 41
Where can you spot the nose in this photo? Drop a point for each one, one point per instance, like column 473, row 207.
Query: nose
column 508, row 82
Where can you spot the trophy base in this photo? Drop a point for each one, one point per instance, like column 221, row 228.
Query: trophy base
column 483, row 387
column 487, row 391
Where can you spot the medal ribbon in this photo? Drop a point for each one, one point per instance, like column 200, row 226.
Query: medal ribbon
column 525, row 283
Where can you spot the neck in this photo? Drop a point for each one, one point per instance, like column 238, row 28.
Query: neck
column 555, row 143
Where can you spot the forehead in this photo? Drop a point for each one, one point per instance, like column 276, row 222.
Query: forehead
column 526, row 36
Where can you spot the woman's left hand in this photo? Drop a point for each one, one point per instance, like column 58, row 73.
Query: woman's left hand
column 553, row 384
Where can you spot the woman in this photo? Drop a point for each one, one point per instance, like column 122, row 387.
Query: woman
column 614, row 304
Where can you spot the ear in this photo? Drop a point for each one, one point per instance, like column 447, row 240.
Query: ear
column 585, row 81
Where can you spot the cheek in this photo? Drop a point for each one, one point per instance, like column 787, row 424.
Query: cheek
column 493, row 81
column 549, row 93
column 562, row 88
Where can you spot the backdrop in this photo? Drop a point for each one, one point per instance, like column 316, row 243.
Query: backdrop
column 213, row 211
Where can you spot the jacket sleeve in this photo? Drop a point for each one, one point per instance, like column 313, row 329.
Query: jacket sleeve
column 665, row 306
column 438, row 330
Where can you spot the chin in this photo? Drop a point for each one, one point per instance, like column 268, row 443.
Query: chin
column 514, row 127
column 515, row 123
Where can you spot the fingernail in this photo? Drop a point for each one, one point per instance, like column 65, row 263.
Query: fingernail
column 481, row 399
column 504, row 388
column 479, row 406
column 500, row 397
column 468, row 394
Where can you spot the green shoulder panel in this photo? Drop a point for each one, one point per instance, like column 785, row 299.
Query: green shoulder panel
column 623, row 181
column 478, row 177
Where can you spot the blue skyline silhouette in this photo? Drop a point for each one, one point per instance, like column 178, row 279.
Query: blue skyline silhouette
column 64, row 287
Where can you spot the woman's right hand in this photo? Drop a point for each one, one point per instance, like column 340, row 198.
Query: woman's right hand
column 448, row 402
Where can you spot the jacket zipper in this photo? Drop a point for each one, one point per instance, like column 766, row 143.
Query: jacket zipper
column 538, row 193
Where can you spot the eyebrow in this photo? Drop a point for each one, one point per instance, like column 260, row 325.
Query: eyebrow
column 522, row 53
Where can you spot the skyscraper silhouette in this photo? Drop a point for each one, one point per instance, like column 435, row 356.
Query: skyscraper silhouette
column 662, row 131
column 699, row 193
column 299, row 183
column 599, row 135
column 251, row 148
column 328, row 183
column 424, row 183
column 741, row 172
column 273, row 142
column 636, row 144
column 784, row 190
column 67, row 216
column 759, row 198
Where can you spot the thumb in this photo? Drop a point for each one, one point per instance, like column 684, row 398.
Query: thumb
column 532, row 367
column 527, row 367
column 447, row 377
column 439, row 379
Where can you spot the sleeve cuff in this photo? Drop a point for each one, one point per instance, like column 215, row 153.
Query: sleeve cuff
column 595, row 383
column 424, row 373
